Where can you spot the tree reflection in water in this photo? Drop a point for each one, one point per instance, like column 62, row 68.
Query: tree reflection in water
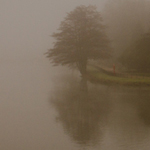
column 83, row 112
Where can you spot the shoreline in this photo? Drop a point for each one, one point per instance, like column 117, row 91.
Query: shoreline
column 95, row 76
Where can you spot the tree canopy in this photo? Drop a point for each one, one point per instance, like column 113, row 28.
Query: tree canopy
column 81, row 36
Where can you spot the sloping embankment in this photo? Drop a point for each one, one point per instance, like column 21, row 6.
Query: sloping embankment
column 97, row 75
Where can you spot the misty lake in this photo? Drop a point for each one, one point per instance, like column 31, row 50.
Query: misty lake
column 46, row 108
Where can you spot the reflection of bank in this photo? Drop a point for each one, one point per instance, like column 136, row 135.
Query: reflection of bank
column 126, row 127
column 82, row 113
column 144, row 106
column 141, row 100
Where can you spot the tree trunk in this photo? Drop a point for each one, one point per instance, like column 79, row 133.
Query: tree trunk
column 83, row 85
column 83, row 70
column 82, row 66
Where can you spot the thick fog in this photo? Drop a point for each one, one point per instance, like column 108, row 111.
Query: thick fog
column 49, row 108
column 26, row 26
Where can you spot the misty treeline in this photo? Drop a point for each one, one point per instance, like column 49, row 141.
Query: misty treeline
column 122, row 27
column 128, row 27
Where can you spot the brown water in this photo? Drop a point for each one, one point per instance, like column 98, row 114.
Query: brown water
column 46, row 108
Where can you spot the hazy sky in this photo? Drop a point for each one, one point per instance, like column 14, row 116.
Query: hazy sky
column 25, row 25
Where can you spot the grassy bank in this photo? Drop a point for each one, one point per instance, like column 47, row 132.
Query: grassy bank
column 99, row 77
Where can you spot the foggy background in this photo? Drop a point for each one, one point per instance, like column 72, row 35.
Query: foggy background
column 26, row 26
column 30, row 117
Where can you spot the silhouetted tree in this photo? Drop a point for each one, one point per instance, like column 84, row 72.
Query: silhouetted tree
column 81, row 37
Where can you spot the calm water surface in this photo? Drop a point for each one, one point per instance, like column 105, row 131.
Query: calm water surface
column 46, row 108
